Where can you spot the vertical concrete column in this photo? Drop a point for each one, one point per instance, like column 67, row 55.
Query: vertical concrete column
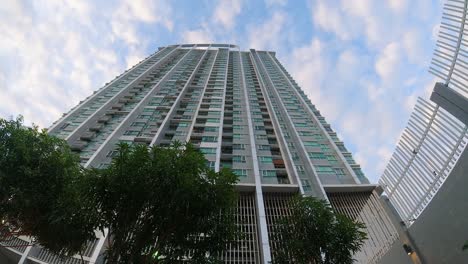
column 263, row 228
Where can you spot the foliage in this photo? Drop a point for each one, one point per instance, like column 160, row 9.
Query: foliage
column 313, row 233
column 160, row 205
column 38, row 195
column 465, row 246
column 164, row 200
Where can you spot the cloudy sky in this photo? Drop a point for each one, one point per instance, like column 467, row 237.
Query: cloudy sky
column 362, row 62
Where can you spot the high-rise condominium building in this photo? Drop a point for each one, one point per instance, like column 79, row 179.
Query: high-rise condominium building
column 244, row 111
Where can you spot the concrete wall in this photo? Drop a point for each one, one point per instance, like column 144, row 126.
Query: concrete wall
column 441, row 230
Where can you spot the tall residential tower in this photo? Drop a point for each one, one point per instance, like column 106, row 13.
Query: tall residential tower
column 244, row 111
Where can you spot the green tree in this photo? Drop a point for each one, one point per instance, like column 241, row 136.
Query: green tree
column 160, row 205
column 314, row 234
column 165, row 202
column 39, row 197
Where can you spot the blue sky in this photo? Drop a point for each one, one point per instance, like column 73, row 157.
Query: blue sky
column 362, row 62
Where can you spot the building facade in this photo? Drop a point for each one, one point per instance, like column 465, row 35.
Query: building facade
column 244, row 111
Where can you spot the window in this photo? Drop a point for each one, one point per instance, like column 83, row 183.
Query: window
column 259, row 128
column 211, row 129
column 324, row 147
column 212, row 120
column 211, row 164
column 339, row 172
column 300, row 124
column 295, row 156
column 238, row 146
column 112, row 153
column 300, row 168
column 129, row 142
column 238, row 159
column 64, row 125
column 208, row 150
column 183, row 124
column 237, row 136
column 237, row 127
column 305, row 133
column 306, row 185
column 358, row 172
column 332, row 159
column 311, row 144
column 316, row 155
column 324, row 169
column 349, row 158
column 342, row 148
column 209, row 139
column 131, row 133
column 261, row 137
column 226, row 165
column 264, row 147
column 103, row 165
column 215, row 113
column 144, row 116
column 318, row 136
column 264, row 159
column 240, row 172
column 268, row 173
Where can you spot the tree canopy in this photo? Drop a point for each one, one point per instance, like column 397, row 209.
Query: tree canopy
column 154, row 201
column 165, row 201
column 39, row 176
column 313, row 233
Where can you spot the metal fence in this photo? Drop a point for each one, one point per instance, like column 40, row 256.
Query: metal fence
column 366, row 207
column 450, row 60
column 428, row 149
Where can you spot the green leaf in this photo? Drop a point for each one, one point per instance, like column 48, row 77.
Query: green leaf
column 313, row 233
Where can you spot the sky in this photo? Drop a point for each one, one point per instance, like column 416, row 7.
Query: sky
column 363, row 63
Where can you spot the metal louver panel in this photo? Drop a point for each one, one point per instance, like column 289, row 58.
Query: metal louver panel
column 365, row 207
column 429, row 147
column 450, row 61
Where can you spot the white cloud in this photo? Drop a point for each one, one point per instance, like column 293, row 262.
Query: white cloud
column 384, row 155
column 267, row 35
column 388, row 61
column 226, row 12
column 197, row 36
column 330, row 19
column 412, row 43
column 129, row 13
column 271, row 3
column 50, row 60
column 398, row 6
column 362, row 68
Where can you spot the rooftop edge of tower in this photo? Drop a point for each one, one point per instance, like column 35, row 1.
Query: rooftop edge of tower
column 214, row 46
